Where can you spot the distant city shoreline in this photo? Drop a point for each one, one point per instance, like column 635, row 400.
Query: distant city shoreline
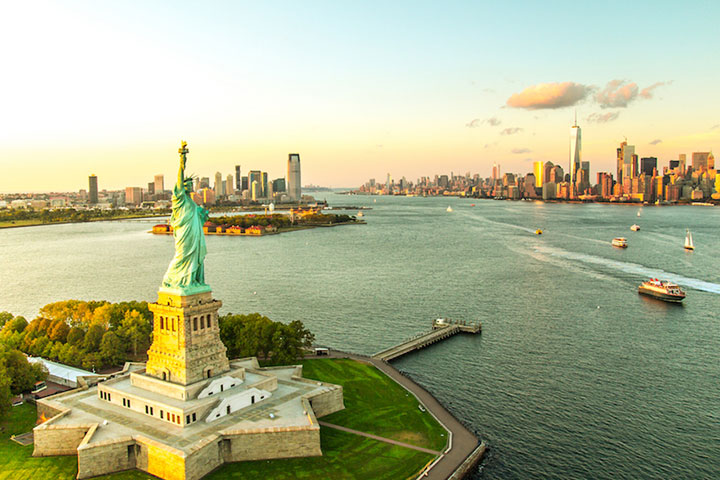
column 631, row 202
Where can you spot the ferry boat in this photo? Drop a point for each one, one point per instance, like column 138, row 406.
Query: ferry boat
column 635, row 227
column 620, row 242
column 689, row 245
column 662, row 289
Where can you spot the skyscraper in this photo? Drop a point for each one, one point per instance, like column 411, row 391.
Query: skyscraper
column 648, row 165
column 278, row 185
column 229, row 186
column 294, row 188
column 625, row 162
column 700, row 160
column 575, row 150
column 547, row 168
column 619, row 158
column 264, row 184
column 539, row 170
column 218, row 185
column 92, row 189
column 628, row 154
column 254, row 176
column 238, row 179
column 159, row 183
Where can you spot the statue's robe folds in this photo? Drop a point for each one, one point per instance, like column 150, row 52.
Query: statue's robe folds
column 187, row 220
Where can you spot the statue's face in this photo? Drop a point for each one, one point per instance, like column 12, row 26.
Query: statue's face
column 188, row 186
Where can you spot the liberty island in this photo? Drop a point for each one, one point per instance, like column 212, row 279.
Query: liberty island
column 189, row 409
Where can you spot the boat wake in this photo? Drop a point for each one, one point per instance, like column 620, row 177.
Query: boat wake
column 632, row 268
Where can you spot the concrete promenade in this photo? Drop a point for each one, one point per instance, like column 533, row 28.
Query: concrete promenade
column 464, row 443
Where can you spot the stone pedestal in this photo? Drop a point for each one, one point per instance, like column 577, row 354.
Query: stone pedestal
column 186, row 344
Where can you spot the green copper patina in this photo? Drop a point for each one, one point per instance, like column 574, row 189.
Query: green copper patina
column 186, row 275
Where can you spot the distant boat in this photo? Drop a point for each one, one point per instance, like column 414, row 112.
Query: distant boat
column 360, row 214
column 620, row 242
column 538, row 232
column 449, row 208
column 640, row 213
column 689, row 245
column 635, row 227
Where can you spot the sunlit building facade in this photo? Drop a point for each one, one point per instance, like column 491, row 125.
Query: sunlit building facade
column 575, row 151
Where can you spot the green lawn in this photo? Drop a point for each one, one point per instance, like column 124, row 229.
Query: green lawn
column 17, row 463
column 374, row 404
column 345, row 456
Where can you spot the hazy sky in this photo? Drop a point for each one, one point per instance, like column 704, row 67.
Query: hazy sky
column 359, row 89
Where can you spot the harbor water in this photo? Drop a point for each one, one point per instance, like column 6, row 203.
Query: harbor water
column 574, row 376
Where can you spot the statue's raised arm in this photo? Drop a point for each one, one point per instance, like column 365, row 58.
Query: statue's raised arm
column 183, row 151
column 186, row 274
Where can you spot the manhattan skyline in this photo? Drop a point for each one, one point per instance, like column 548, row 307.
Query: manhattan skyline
column 357, row 90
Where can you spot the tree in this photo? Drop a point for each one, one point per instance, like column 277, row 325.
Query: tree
column 136, row 330
column 22, row 374
column 17, row 324
column 76, row 336
column 5, row 317
column 5, row 393
column 59, row 331
column 93, row 337
column 112, row 349
column 257, row 335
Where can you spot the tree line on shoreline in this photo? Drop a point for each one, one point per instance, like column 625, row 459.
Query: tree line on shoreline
column 279, row 220
column 68, row 215
column 96, row 335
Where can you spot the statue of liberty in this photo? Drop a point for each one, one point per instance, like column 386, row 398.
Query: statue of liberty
column 186, row 272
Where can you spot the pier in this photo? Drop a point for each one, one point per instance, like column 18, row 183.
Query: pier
column 441, row 329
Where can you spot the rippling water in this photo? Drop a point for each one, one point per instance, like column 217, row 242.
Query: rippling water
column 574, row 376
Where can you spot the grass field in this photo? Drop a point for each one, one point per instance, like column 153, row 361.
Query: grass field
column 17, row 463
column 374, row 404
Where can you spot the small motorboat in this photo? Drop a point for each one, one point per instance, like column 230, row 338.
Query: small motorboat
column 449, row 209
column 620, row 242
column 635, row 227
column 538, row 232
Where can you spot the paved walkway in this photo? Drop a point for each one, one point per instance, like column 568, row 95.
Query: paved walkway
column 382, row 439
column 464, row 442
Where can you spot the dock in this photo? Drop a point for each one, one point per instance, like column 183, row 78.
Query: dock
column 441, row 329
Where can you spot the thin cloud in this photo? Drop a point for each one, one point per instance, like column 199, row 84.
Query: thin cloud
column 549, row 95
column 511, row 131
column 647, row 92
column 715, row 126
column 656, row 141
column 476, row 122
column 617, row 94
column 620, row 93
column 518, row 151
column 602, row 117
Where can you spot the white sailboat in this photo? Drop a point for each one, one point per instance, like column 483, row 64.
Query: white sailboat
column 449, row 208
column 689, row 241
column 639, row 213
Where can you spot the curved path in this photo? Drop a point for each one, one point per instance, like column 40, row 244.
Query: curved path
column 464, row 443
